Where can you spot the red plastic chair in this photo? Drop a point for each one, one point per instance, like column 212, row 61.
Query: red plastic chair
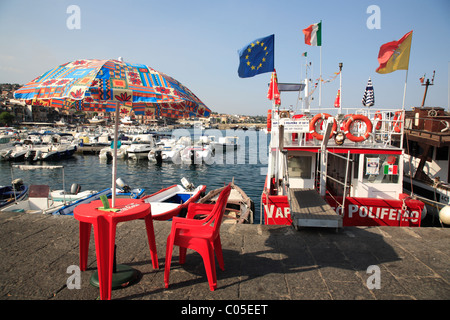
column 199, row 235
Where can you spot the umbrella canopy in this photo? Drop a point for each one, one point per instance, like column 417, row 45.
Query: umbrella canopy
column 112, row 85
column 97, row 85
column 368, row 99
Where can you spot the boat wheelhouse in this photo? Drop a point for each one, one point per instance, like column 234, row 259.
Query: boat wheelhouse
column 338, row 168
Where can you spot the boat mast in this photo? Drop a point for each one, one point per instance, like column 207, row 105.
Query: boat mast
column 426, row 84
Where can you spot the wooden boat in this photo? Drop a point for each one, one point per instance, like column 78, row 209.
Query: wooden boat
column 17, row 191
column 426, row 162
column 174, row 200
column 240, row 208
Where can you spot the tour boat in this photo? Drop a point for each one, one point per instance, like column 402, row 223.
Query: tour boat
column 337, row 168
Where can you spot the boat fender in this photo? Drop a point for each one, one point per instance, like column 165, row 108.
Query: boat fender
column 444, row 215
column 379, row 118
column 397, row 121
column 315, row 119
column 75, row 188
column 349, row 122
column 446, row 124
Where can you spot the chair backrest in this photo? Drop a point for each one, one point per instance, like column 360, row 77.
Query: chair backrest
column 219, row 209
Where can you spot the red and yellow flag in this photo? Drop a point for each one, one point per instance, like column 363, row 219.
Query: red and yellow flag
column 394, row 55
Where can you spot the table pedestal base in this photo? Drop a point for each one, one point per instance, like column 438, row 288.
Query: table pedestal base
column 124, row 276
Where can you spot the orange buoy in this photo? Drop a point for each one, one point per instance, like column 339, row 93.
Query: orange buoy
column 349, row 122
column 312, row 125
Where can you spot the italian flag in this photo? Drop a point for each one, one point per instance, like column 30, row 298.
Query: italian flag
column 313, row 34
column 390, row 169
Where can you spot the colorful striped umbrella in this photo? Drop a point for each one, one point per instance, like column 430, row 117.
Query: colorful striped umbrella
column 368, row 99
column 112, row 85
column 98, row 85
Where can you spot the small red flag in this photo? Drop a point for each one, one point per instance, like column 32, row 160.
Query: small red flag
column 273, row 93
column 337, row 101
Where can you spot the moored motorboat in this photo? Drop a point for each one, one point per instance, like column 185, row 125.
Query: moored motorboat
column 197, row 154
column 17, row 191
column 141, row 146
column 174, row 200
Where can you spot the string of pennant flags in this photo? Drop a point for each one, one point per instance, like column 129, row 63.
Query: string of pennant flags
column 258, row 57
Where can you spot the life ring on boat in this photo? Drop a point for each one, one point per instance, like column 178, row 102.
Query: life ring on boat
column 397, row 121
column 269, row 120
column 379, row 117
column 312, row 125
column 349, row 122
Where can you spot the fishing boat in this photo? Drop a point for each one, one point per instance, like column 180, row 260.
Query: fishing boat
column 174, row 200
column 427, row 152
column 335, row 168
column 239, row 209
column 17, row 191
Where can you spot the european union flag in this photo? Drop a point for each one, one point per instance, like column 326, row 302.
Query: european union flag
column 257, row 57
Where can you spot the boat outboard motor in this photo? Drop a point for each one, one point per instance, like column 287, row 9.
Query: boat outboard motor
column 158, row 156
column 186, row 184
column 75, row 188
column 192, row 152
column 121, row 184
column 17, row 183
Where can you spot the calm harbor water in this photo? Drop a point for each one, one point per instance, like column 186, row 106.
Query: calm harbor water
column 247, row 165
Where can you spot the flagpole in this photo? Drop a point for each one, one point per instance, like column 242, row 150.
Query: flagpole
column 404, row 91
column 320, row 78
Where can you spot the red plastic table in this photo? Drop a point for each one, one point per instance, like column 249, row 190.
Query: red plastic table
column 104, row 223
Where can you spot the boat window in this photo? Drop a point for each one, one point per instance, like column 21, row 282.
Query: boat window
column 355, row 158
column 381, row 168
column 300, row 167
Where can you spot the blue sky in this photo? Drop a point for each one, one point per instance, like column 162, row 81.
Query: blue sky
column 196, row 42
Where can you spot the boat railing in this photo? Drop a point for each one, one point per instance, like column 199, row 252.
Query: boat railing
column 382, row 128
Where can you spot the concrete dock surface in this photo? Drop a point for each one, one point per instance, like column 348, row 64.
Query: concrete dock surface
column 262, row 263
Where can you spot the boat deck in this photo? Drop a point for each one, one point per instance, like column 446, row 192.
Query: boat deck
column 309, row 209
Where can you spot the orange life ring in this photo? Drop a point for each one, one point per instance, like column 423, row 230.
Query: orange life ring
column 269, row 120
column 379, row 117
column 312, row 125
column 397, row 121
column 366, row 134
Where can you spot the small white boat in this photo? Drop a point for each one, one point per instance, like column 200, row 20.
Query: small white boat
column 106, row 153
column 96, row 120
column 127, row 120
column 174, row 200
column 169, row 150
column 141, row 146
column 38, row 201
column 228, row 143
column 197, row 154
